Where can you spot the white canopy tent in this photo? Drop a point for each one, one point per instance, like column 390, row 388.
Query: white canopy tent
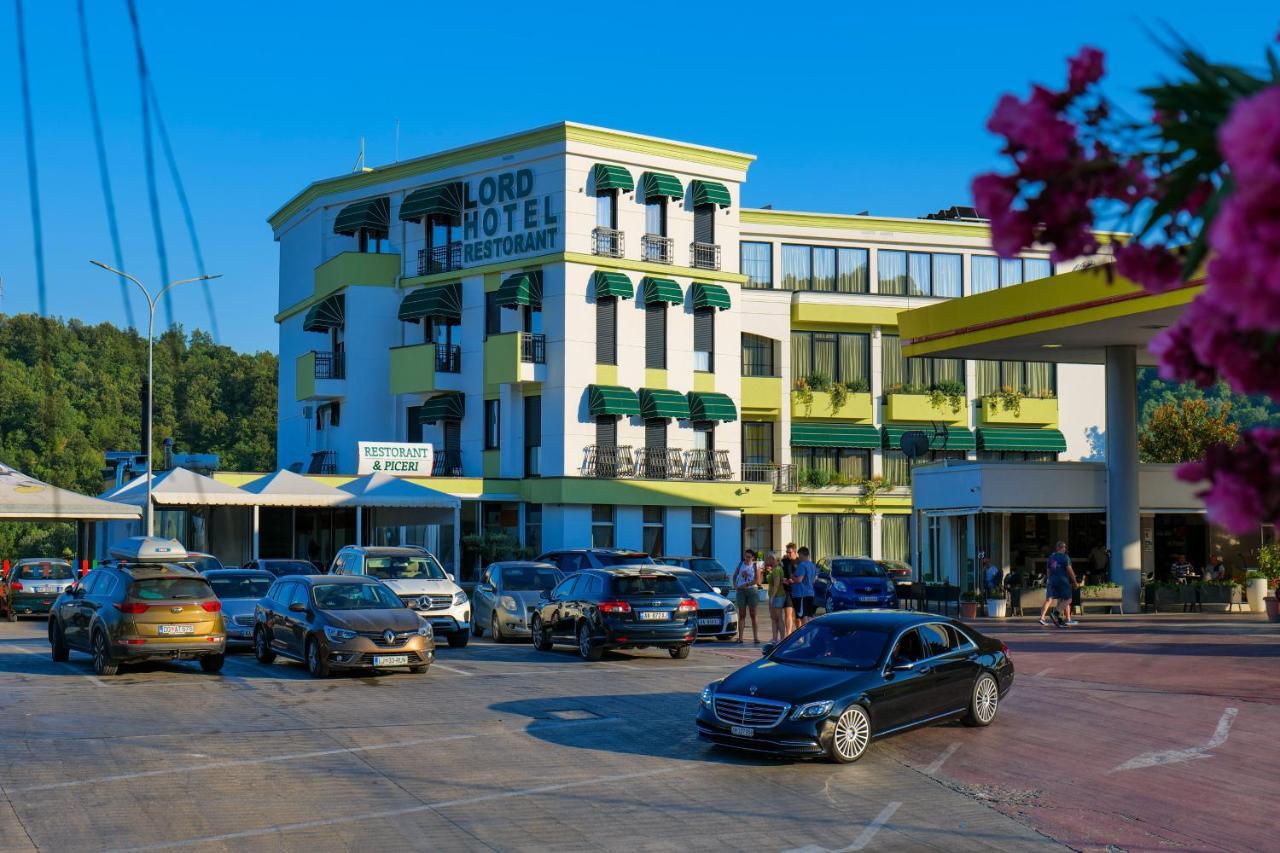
column 383, row 490
column 180, row 487
column 24, row 498
column 285, row 488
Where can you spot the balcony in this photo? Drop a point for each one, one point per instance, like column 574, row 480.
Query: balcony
column 603, row 462
column 438, row 259
column 607, row 242
column 515, row 357
column 1033, row 411
column 762, row 395
column 533, row 348
column 704, row 256
column 414, row 368
column 320, row 376
column 659, row 463
column 323, row 462
column 352, row 268
column 657, row 249
column 781, row 477
column 919, row 407
column 446, row 463
column 607, row 462
column 856, row 407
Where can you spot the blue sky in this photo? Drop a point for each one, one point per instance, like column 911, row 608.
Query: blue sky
column 848, row 107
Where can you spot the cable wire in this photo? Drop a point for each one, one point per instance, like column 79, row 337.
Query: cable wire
column 33, row 181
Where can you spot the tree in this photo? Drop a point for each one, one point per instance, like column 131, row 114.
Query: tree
column 1183, row 431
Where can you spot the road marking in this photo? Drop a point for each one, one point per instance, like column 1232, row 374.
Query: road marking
column 1093, row 651
column 408, row 810
column 439, row 665
column 941, row 759
column 1043, row 672
column 863, row 839
column 97, row 681
column 1175, row 756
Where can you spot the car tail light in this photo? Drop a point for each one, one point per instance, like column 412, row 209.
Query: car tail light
column 688, row 606
column 211, row 606
column 128, row 642
column 1004, row 648
column 16, row 586
column 132, row 607
column 615, row 607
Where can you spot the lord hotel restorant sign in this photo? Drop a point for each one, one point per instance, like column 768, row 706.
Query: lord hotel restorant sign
column 396, row 459
column 502, row 218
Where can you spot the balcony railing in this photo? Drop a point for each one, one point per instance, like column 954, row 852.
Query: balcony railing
column 446, row 258
column 331, row 365
column 659, row 463
column 707, row 465
column 323, row 462
column 533, row 348
column 608, row 242
column 608, row 462
column 704, row 256
column 657, row 249
column 781, row 477
column 447, row 463
column 448, row 358
column 655, row 464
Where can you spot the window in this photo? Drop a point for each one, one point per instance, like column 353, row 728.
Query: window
column 757, row 264
column 831, row 534
column 937, row 640
column 838, row 356
column 796, row 267
column 491, row 425
column 601, row 526
column 655, row 335
column 834, row 466
column 533, row 436
column 653, row 531
column 704, row 339
column 704, row 223
column 413, row 428
column 655, row 438
column 757, row 442
column 895, row 541
column 704, row 435
column 533, row 527
column 825, row 268
column 915, row 375
column 918, row 273
column 492, row 314
column 1017, row 456
column 701, row 528
column 655, row 216
column 607, row 330
column 606, row 431
column 989, row 272
column 1030, row 378
column 757, row 532
column 757, row 356
column 607, row 209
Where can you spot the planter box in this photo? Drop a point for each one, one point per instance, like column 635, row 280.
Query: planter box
column 1031, row 410
column 1108, row 597
column 1028, row 601
column 857, row 407
column 1163, row 599
column 1219, row 598
column 916, row 407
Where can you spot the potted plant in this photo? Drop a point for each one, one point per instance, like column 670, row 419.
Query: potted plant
column 1218, row 595
column 997, row 603
column 969, row 604
column 1163, row 596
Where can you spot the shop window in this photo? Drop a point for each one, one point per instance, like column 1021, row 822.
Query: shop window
column 700, row 525
column 654, row 530
column 602, row 526
column 533, row 527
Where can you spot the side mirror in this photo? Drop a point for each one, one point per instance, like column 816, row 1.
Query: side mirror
column 298, row 607
column 449, row 575
column 544, row 595
column 487, row 587
column 716, row 590
column 767, row 649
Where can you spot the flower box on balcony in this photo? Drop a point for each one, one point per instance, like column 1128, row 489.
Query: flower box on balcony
column 919, row 407
column 1031, row 410
column 857, row 407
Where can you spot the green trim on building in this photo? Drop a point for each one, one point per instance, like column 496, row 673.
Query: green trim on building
column 374, row 215
column 443, row 407
column 710, row 192
column 663, row 403
column 660, row 184
column 711, row 406
column 328, row 313
column 612, row 284
column 1051, row 440
column 661, row 290
column 523, row 288
column 443, row 199
column 834, row 435
column 609, row 177
column 707, row 295
column 443, row 301
column 957, row 438
column 612, row 400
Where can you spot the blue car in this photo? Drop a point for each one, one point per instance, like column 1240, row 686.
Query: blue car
column 851, row 583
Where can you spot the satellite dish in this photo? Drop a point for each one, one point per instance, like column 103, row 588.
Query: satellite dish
column 914, row 444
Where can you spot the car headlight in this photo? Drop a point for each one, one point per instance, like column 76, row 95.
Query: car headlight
column 338, row 635
column 509, row 603
column 839, row 586
column 424, row 629
column 708, row 694
column 459, row 597
column 732, row 608
column 812, row 710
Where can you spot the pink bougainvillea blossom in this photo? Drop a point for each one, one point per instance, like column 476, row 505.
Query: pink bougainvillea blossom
column 1152, row 266
column 1206, row 343
column 1244, row 480
column 1084, row 69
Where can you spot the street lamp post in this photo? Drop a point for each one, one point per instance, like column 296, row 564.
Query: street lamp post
column 151, row 327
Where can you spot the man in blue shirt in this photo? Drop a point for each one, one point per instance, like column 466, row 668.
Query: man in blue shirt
column 802, row 588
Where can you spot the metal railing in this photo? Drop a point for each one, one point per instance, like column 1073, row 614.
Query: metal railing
column 707, row 465
column 657, row 249
column 533, row 348
column 447, row 463
column 331, row 365
column 655, row 463
column 659, row 463
column 323, row 462
column 446, row 258
column 448, row 358
column 781, row 477
column 608, row 462
column 608, row 242
column 704, row 256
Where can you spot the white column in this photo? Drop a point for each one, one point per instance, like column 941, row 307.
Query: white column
column 359, row 525
column 255, row 531
column 874, row 533
column 1123, row 523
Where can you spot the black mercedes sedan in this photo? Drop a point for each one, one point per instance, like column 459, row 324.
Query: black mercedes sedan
column 845, row 679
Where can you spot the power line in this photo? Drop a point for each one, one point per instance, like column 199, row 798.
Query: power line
column 33, row 182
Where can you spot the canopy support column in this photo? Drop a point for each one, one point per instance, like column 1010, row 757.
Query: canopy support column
column 1123, row 520
column 359, row 525
column 256, row 531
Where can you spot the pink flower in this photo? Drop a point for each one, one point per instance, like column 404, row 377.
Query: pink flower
column 993, row 194
column 1154, row 267
column 1250, row 141
column 1207, row 342
column 1244, row 480
column 1084, row 69
column 1244, row 271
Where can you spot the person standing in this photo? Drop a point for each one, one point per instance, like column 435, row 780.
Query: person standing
column 1100, row 557
column 802, row 588
column 746, row 581
column 1060, row 578
column 778, row 610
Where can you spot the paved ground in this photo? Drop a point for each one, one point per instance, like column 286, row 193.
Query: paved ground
column 1141, row 732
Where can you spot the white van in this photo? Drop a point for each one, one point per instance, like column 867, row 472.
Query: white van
column 417, row 577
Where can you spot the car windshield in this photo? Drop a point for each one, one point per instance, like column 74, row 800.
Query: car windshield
column 418, row 567
column 51, row 571
column 240, row 586
column 708, row 567
column 692, row 583
column 647, row 585
column 834, row 645
column 625, row 560
column 856, row 569
column 355, row 596
column 205, row 563
column 164, row 589
column 289, row 567
column 527, row 578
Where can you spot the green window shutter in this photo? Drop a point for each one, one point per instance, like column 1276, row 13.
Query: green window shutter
column 661, row 403
column 710, row 192
column 958, row 438
column 612, row 284
column 443, row 407
column 441, row 199
column 1022, row 439
column 659, row 184
column 834, row 435
column 710, row 296
column 711, row 406
column 328, row 313
column 661, row 290
column 612, row 178
column 374, row 215
column 523, row 288
column 612, row 400
column 443, row 302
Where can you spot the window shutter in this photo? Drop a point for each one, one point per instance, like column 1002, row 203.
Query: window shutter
column 704, row 330
column 492, row 314
column 452, row 436
column 413, row 429
column 655, row 335
column 335, row 411
column 607, row 330
column 655, row 434
column 606, row 431
column 704, row 223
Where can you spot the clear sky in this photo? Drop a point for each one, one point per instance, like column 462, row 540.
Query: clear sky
column 848, row 106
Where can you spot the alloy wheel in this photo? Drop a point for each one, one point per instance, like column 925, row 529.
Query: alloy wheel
column 852, row 734
column 986, row 699
column 584, row 641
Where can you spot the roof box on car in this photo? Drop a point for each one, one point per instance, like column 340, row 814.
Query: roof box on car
column 148, row 549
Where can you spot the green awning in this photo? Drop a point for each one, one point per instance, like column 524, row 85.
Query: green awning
column 958, row 438
column 661, row 290
column 373, row 215
column 1022, row 439
column 328, row 313
column 612, row 284
column 710, row 296
column 658, row 184
column 612, row 400
column 524, row 288
column 661, row 403
column 443, row 407
column 443, row 302
column 834, row 435
column 443, row 199
column 612, row 178
column 711, row 406
column 710, row 192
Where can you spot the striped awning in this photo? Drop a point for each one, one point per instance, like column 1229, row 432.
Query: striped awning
column 834, row 435
column 957, row 438
column 661, row 403
column 328, row 313
column 612, row 178
column 373, row 215
column 711, row 406
column 523, row 288
column 443, row 199
column 443, row 407
column 443, row 302
column 710, row 192
column 612, row 400
column 1022, row 439
column 710, row 296
column 659, row 184
column 661, row 290
column 612, row 284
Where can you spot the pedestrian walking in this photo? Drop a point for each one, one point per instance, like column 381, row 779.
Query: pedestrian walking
column 802, row 587
column 779, row 612
column 746, row 581
column 789, row 559
column 1060, row 579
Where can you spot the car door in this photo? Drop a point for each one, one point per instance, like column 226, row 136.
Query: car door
column 906, row 695
column 562, row 613
column 484, row 599
column 74, row 615
column 953, row 667
column 271, row 605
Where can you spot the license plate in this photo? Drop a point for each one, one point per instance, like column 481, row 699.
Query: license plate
column 177, row 629
column 46, row 588
column 654, row 615
column 868, row 599
column 390, row 660
column 742, row 731
column 711, row 621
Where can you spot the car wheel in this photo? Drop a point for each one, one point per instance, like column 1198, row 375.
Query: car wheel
column 458, row 639
column 851, row 736
column 58, row 643
column 102, row 662
column 587, row 649
column 541, row 638
column 495, row 630
column 679, row 652
column 212, row 663
column 984, row 702
column 316, row 664
column 418, row 670
column 262, row 648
